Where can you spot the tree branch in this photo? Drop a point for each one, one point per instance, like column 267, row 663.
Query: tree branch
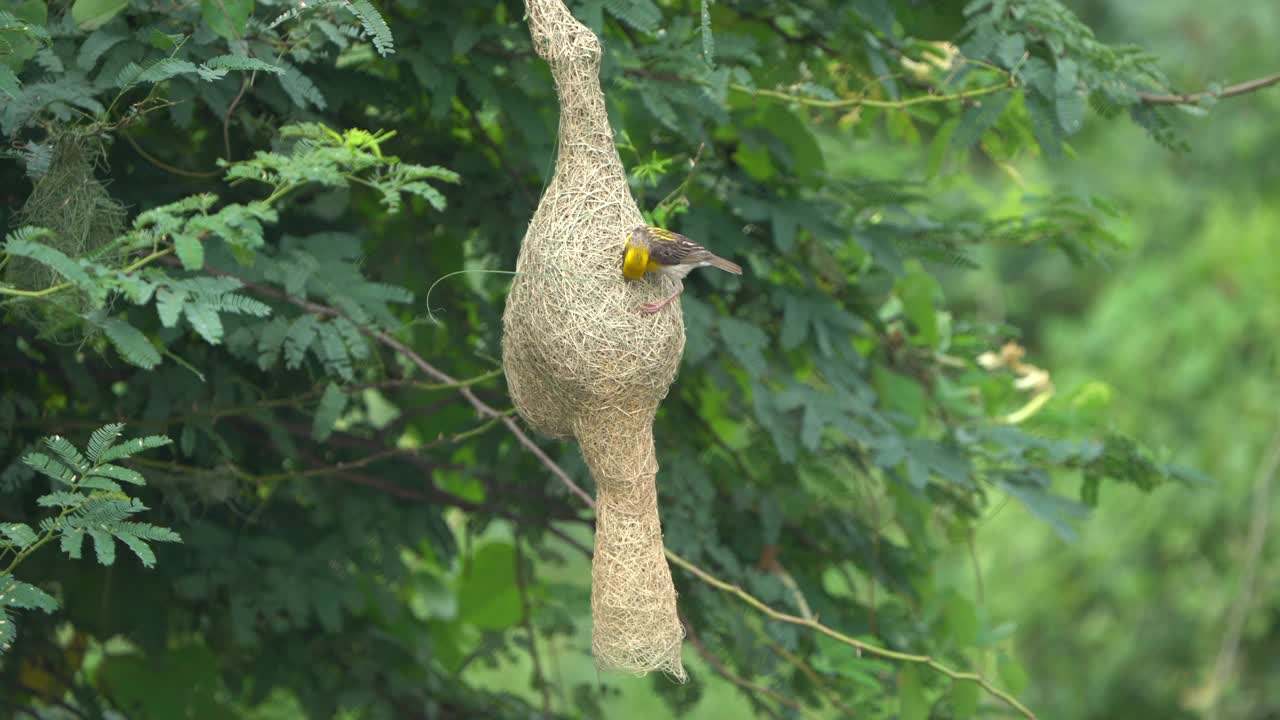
column 838, row 636
column 1196, row 98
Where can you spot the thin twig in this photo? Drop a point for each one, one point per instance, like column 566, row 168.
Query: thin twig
column 799, row 663
column 226, row 118
column 1196, row 98
column 522, row 586
column 720, row 669
column 165, row 166
column 858, row 645
column 480, row 406
column 1261, row 501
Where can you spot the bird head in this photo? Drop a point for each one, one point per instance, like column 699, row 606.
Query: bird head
column 635, row 257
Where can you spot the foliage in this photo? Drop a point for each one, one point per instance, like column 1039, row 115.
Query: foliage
column 89, row 501
column 355, row 539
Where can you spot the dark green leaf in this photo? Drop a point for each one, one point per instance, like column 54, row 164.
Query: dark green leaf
column 227, row 18
column 92, row 14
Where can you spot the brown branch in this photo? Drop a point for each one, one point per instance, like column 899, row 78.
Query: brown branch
column 858, row 645
column 226, row 119
column 1196, row 98
column 165, row 166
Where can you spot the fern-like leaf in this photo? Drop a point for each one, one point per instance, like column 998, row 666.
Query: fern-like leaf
column 642, row 15
column 204, row 318
column 374, row 26
column 67, row 453
column 116, row 472
column 102, row 439
column 165, row 69
column 104, row 546
column 72, row 542
column 298, row 339
column 243, row 63
column 26, row 245
column 20, row 535
column 17, row 594
column 133, row 447
column 332, row 403
column 131, row 343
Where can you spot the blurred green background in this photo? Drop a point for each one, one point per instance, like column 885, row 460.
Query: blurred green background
column 1150, row 614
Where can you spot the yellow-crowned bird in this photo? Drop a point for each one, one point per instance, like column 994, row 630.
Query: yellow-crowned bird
column 665, row 253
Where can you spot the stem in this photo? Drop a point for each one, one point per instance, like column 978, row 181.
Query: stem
column 1197, row 98
column 858, row 645
column 868, row 102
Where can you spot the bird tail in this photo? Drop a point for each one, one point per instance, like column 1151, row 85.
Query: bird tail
column 725, row 265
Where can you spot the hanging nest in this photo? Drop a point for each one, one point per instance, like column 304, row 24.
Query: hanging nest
column 74, row 204
column 583, row 362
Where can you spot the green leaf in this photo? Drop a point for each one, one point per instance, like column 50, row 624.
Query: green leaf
column 102, row 440
column 14, row 593
column 62, row 499
column 227, row 18
column 116, row 472
column 139, row 548
column 171, row 683
column 190, row 251
column 746, row 343
column 205, row 320
column 708, row 40
column 332, row 403
column 72, row 543
column 19, row 534
column 9, row 83
column 978, row 119
column 1070, row 100
column 298, row 338
column 1044, row 125
column 1012, row 674
column 1057, row 511
column 961, row 619
column 642, row 15
column 93, row 14
column 169, row 306
column 133, row 447
column 918, row 290
column 100, row 483
column 131, row 343
column 67, row 452
column 164, row 69
column 48, row 256
column 243, row 63
column 46, row 465
column 487, row 596
column 166, row 41
column 964, row 699
column 103, row 545
column 911, row 699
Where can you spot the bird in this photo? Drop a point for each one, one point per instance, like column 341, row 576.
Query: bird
column 669, row 254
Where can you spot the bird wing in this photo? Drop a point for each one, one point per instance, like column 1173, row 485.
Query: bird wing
column 671, row 248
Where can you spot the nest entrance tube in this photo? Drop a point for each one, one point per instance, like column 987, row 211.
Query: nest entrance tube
column 583, row 362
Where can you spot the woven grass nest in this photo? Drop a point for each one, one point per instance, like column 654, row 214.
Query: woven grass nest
column 583, row 362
